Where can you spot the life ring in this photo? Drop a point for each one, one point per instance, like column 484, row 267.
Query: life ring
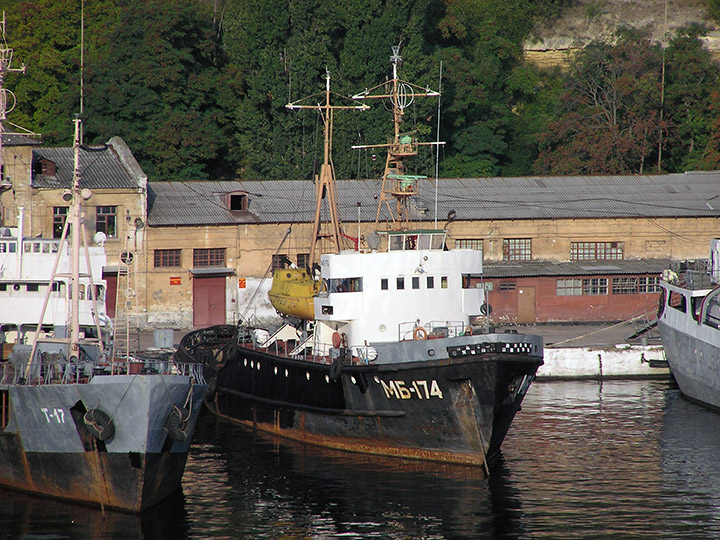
column 420, row 333
column 176, row 424
column 468, row 331
column 336, row 340
column 98, row 424
column 336, row 369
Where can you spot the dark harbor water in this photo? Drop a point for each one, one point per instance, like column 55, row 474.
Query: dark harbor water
column 627, row 459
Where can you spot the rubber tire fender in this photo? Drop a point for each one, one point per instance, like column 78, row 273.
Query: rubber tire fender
column 336, row 369
column 176, row 424
column 99, row 424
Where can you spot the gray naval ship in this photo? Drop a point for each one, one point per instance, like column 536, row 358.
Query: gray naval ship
column 93, row 434
column 77, row 420
column 689, row 326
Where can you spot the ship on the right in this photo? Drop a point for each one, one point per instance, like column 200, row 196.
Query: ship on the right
column 689, row 325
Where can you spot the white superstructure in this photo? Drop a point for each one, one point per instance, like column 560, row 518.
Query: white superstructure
column 26, row 265
column 415, row 289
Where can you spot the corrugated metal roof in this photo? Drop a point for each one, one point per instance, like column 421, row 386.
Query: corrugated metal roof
column 19, row 139
column 577, row 268
column 99, row 169
column 694, row 194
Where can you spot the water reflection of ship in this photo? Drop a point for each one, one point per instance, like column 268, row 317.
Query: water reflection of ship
column 301, row 491
column 27, row 516
column 689, row 448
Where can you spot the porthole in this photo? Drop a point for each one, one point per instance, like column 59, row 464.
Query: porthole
column 307, row 375
column 327, row 379
column 353, row 379
column 276, row 370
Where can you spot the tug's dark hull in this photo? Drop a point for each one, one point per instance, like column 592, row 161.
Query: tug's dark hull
column 455, row 408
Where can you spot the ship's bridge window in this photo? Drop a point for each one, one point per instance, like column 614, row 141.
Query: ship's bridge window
column 81, row 288
column 59, row 288
column 677, row 301
column 397, row 242
column 341, row 285
column 712, row 313
column 413, row 241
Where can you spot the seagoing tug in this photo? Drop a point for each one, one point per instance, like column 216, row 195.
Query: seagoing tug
column 378, row 354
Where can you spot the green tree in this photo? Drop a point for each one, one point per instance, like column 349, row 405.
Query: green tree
column 154, row 81
column 609, row 118
column 46, row 37
column 713, row 9
column 283, row 49
column 691, row 76
column 481, row 45
column 535, row 93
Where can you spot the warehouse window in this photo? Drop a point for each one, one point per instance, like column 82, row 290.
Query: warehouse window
column 303, row 260
column 568, row 287
column 517, row 249
column 106, row 220
column 625, row 285
column 649, row 284
column 59, row 216
column 596, row 251
column 208, row 257
column 165, row 258
column 595, row 286
column 469, row 243
column 279, row 261
column 237, row 202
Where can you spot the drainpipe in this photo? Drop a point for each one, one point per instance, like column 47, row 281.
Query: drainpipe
column 19, row 255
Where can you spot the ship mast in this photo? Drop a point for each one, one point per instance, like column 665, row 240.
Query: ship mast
column 75, row 227
column 6, row 55
column 396, row 183
column 325, row 182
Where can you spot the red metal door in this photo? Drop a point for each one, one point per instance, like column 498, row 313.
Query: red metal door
column 110, row 294
column 208, row 301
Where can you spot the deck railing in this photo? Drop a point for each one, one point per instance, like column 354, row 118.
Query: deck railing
column 65, row 372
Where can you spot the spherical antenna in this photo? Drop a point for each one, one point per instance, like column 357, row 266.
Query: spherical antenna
column 406, row 95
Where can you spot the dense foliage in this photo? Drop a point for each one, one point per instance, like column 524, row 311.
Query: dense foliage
column 198, row 88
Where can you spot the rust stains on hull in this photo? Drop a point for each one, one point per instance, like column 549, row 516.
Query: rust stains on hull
column 347, row 444
column 118, row 481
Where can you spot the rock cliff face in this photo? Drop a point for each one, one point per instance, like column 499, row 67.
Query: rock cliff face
column 590, row 19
